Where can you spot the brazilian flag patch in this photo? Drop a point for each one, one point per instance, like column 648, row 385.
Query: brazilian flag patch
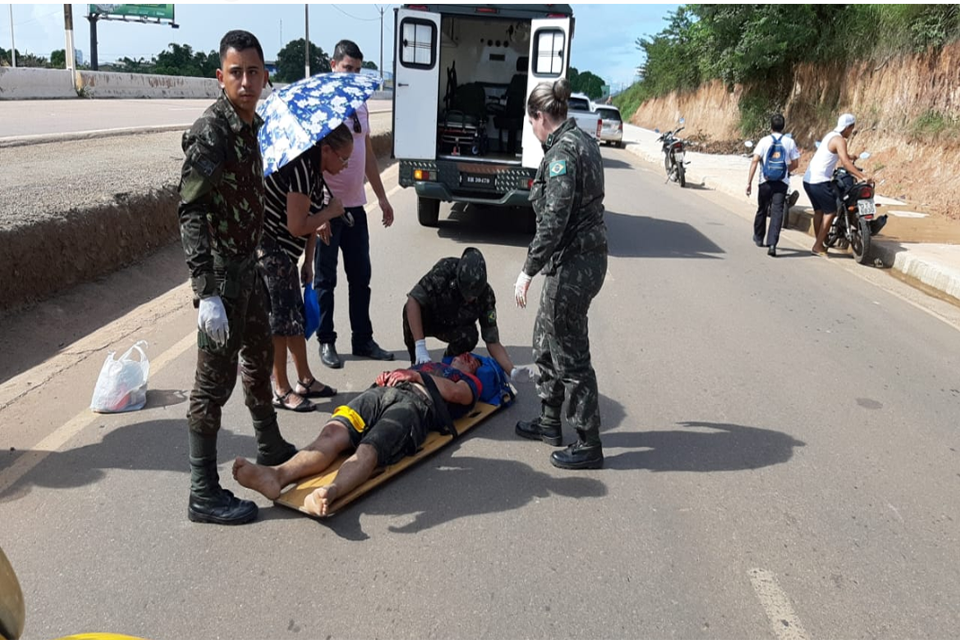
column 492, row 317
column 558, row 168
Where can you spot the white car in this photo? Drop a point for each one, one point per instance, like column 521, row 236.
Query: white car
column 612, row 128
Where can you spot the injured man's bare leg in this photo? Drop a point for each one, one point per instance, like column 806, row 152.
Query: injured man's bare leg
column 354, row 471
column 317, row 456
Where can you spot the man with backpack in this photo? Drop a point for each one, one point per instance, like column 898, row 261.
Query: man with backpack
column 779, row 156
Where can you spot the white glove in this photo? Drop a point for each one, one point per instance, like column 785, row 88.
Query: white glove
column 212, row 319
column 523, row 373
column 422, row 354
column 520, row 290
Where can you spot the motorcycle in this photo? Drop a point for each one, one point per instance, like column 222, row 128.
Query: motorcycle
column 673, row 152
column 856, row 221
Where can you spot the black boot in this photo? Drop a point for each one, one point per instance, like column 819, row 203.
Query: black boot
column 546, row 427
column 585, row 453
column 272, row 449
column 208, row 501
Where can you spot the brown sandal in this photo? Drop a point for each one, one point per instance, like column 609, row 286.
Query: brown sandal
column 304, row 406
column 325, row 391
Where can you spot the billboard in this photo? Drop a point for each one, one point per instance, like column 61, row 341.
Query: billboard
column 158, row 11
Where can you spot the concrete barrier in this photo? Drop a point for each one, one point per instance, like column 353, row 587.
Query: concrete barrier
column 24, row 83
column 102, row 84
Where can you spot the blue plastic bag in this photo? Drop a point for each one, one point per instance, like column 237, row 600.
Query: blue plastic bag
column 311, row 311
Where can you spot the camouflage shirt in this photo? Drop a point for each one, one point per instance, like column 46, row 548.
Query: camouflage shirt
column 221, row 193
column 567, row 197
column 443, row 305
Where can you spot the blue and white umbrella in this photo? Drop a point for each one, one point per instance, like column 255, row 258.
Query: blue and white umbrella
column 301, row 114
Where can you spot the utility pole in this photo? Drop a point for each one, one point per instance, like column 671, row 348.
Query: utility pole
column 93, row 17
column 381, row 47
column 68, row 27
column 13, row 44
column 306, row 40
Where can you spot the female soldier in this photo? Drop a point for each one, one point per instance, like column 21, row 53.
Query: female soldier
column 295, row 208
column 570, row 248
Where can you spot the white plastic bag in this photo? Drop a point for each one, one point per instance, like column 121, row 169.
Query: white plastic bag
column 122, row 385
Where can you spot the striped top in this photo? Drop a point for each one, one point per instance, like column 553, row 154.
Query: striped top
column 300, row 176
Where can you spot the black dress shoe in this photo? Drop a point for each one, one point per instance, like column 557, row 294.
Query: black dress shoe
column 221, row 508
column 372, row 350
column 757, row 241
column 772, row 251
column 329, row 355
column 579, row 455
column 535, row 430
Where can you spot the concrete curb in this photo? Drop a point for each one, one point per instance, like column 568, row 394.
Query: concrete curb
column 918, row 261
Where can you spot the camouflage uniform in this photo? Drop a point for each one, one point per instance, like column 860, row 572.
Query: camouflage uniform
column 445, row 311
column 570, row 248
column 221, row 220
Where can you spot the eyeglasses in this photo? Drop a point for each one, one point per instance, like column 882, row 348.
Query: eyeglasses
column 356, row 124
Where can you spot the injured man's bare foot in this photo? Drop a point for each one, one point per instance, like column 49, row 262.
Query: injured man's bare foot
column 264, row 480
column 319, row 502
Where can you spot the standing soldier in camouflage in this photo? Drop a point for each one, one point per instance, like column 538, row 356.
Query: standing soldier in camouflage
column 447, row 303
column 570, row 248
column 221, row 219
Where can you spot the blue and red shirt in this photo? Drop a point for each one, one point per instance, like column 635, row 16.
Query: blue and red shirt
column 447, row 372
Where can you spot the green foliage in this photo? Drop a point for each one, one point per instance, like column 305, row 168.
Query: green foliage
column 370, row 64
column 933, row 125
column 757, row 45
column 290, row 61
column 629, row 101
column 587, row 83
column 181, row 60
column 58, row 59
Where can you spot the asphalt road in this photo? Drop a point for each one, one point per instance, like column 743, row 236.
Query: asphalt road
column 780, row 440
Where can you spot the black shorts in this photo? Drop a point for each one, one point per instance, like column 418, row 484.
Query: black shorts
column 282, row 277
column 821, row 197
column 393, row 420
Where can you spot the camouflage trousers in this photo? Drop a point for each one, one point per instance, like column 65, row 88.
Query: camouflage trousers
column 561, row 346
column 459, row 339
column 216, row 376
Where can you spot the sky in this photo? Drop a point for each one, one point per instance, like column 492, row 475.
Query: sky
column 603, row 42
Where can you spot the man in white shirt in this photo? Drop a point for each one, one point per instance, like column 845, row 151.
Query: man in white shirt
column 778, row 156
column 351, row 239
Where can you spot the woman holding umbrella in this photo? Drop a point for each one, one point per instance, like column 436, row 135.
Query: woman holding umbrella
column 296, row 204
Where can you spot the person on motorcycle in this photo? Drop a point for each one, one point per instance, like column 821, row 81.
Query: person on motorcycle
column 772, row 191
column 816, row 181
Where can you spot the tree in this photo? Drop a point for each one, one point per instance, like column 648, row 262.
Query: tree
column 129, row 65
column 370, row 64
column 290, row 61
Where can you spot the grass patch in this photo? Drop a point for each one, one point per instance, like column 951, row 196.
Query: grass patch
column 934, row 125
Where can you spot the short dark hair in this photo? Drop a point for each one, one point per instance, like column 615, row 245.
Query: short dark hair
column 347, row 48
column 239, row 41
column 776, row 123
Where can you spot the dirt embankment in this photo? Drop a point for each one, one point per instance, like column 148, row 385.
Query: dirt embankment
column 907, row 109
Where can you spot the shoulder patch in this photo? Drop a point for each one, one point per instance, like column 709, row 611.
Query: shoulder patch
column 492, row 316
column 558, row 168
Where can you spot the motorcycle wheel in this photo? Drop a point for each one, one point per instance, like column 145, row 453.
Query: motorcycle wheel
column 861, row 241
column 681, row 175
column 667, row 164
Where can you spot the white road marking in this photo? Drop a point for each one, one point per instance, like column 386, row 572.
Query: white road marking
column 783, row 620
column 30, row 459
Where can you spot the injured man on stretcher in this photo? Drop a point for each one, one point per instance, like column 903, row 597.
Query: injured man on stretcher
column 382, row 425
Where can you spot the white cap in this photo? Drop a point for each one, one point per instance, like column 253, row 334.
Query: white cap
column 845, row 121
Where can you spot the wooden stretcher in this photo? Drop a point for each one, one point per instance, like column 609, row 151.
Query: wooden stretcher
column 295, row 496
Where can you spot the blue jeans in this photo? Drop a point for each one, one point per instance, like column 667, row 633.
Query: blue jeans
column 355, row 243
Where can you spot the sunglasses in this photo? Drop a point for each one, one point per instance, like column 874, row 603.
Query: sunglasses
column 344, row 161
column 356, row 124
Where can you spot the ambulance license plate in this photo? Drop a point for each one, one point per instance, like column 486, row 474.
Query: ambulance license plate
column 477, row 180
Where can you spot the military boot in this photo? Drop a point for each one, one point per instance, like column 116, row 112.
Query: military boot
column 546, row 427
column 585, row 453
column 208, row 501
column 272, row 449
